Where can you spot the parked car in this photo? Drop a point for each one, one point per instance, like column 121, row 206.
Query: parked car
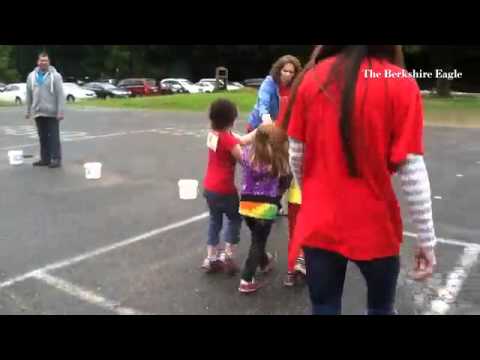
column 231, row 86
column 205, row 87
column 106, row 90
column 169, row 89
column 170, row 86
column 2, row 86
column 255, row 83
column 183, row 85
column 74, row 92
column 14, row 93
column 76, row 80
column 236, row 84
column 108, row 81
column 140, row 87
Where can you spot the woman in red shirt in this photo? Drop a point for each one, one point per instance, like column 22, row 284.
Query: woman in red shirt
column 354, row 119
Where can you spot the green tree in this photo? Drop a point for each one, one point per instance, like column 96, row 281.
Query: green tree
column 8, row 73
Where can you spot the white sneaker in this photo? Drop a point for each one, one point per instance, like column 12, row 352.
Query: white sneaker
column 300, row 267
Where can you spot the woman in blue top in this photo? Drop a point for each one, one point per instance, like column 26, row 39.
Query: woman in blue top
column 274, row 87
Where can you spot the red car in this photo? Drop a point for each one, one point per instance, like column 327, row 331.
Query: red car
column 140, row 87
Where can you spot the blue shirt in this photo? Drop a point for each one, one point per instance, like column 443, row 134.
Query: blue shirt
column 40, row 77
column 268, row 102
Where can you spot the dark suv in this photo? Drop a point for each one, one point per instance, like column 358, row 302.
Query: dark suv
column 140, row 87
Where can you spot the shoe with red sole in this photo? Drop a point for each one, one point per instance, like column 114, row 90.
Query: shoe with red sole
column 249, row 287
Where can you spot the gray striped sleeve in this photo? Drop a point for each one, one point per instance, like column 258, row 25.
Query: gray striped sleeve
column 296, row 151
column 416, row 187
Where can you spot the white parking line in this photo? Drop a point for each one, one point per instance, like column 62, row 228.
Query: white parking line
column 441, row 305
column 166, row 131
column 447, row 294
column 23, row 146
column 85, row 295
column 102, row 250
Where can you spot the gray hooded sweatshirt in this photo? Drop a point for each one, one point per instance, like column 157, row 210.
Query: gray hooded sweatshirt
column 48, row 99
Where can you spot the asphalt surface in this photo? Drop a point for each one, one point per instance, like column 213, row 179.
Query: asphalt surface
column 51, row 215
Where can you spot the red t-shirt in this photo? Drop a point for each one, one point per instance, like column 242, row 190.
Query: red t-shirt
column 220, row 177
column 284, row 95
column 356, row 217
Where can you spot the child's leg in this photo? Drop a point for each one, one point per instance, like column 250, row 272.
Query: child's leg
column 232, row 233
column 264, row 228
column 257, row 256
column 294, row 249
column 284, row 205
column 214, row 225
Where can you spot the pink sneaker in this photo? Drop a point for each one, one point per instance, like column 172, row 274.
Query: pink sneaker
column 248, row 287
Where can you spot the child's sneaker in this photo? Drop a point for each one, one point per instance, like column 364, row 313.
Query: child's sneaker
column 300, row 266
column 230, row 266
column 212, row 266
column 270, row 264
column 248, row 287
column 290, row 279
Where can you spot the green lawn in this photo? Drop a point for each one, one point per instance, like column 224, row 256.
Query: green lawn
column 455, row 111
column 244, row 98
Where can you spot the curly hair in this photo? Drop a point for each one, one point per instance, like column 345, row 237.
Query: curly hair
column 222, row 114
column 281, row 62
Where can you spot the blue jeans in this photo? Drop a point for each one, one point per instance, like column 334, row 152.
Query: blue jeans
column 220, row 205
column 326, row 276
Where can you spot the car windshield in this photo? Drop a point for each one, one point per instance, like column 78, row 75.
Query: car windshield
column 109, row 87
column 185, row 82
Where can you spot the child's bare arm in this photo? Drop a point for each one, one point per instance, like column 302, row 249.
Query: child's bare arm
column 237, row 152
column 246, row 139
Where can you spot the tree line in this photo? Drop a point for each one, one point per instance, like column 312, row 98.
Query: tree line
column 197, row 61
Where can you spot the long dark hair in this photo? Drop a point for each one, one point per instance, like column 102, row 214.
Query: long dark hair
column 348, row 64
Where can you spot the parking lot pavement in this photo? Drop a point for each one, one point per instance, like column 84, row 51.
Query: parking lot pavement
column 125, row 244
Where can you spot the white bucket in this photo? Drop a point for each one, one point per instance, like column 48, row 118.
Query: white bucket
column 93, row 170
column 15, row 157
column 188, row 189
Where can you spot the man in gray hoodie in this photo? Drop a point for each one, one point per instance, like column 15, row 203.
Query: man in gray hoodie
column 46, row 103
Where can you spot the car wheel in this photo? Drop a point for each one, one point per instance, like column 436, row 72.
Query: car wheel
column 71, row 98
column 18, row 101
